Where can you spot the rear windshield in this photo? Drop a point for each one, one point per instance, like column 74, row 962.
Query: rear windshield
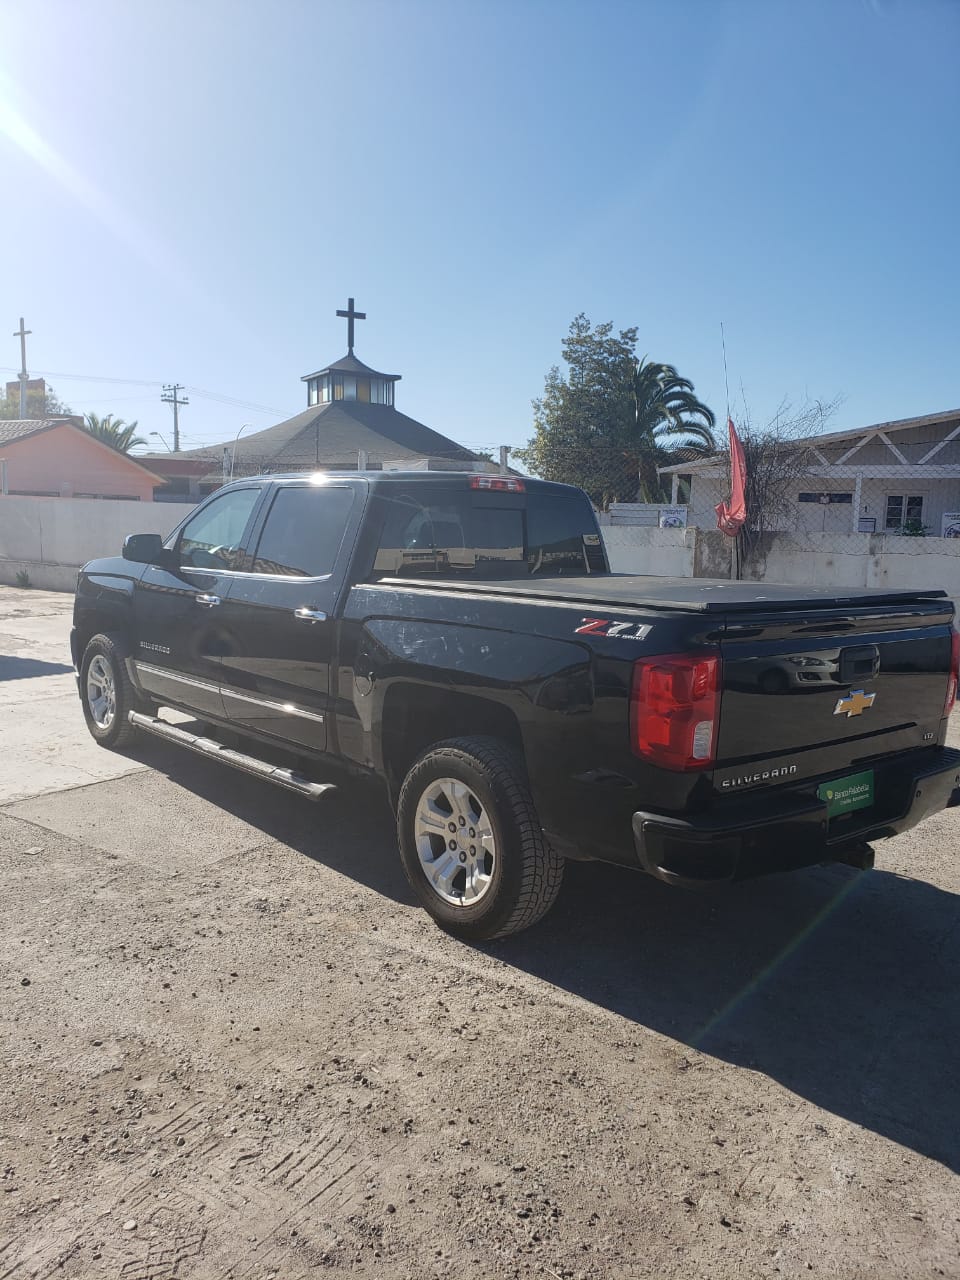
column 460, row 533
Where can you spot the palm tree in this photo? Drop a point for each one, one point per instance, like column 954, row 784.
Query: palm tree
column 667, row 417
column 114, row 432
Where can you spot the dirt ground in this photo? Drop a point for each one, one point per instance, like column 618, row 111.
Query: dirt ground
column 233, row 1047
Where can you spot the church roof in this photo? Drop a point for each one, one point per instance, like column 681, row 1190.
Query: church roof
column 333, row 434
column 350, row 364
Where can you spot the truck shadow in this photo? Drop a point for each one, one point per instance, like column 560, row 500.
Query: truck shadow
column 839, row 985
column 842, row 986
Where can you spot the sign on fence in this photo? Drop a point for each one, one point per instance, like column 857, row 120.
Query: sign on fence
column 950, row 525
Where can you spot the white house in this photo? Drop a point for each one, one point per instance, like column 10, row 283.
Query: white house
column 887, row 478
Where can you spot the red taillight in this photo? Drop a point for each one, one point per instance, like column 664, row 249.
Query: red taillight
column 954, row 677
column 506, row 484
column 674, row 708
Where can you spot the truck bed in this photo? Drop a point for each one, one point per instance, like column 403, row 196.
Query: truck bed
column 686, row 595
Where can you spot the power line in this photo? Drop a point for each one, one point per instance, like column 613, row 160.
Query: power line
column 140, row 382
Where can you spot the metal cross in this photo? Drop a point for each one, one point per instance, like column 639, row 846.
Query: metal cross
column 350, row 315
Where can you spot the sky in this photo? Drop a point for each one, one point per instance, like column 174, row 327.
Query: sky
column 191, row 191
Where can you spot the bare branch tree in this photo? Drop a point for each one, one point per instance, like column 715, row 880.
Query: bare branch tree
column 778, row 454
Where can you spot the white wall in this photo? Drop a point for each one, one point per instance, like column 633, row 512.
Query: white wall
column 49, row 538
column 51, row 532
column 666, row 553
column 862, row 560
column 842, row 560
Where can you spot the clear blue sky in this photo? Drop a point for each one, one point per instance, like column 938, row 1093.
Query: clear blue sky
column 192, row 189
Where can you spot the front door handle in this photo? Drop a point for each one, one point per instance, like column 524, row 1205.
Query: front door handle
column 309, row 615
column 208, row 601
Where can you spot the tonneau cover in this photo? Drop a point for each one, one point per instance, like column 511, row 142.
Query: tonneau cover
column 688, row 595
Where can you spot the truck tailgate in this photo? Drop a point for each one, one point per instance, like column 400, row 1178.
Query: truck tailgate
column 814, row 691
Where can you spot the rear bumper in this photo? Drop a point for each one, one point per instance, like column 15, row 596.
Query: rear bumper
column 783, row 830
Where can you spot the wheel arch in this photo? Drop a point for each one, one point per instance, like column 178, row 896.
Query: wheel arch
column 414, row 717
column 109, row 621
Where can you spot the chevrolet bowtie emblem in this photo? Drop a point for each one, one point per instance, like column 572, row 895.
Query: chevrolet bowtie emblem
column 854, row 704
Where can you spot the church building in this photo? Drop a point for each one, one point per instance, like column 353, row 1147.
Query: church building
column 351, row 422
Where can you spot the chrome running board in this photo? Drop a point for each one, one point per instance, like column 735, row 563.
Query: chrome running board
column 238, row 759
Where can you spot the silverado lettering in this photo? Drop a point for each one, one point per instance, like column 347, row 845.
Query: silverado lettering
column 785, row 771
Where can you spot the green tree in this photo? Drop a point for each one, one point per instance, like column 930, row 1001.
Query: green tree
column 40, row 404
column 612, row 420
column 114, row 432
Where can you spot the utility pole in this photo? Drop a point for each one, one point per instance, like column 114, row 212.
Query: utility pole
column 171, row 395
column 22, row 335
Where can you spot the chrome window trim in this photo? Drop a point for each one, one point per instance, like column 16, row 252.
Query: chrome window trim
column 248, row 573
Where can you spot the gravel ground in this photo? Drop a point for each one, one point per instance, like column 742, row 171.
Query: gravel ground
column 234, row 1048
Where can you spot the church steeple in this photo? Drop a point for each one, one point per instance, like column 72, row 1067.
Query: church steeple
column 350, row 378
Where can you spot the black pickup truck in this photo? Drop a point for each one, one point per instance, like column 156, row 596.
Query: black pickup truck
column 462, row 638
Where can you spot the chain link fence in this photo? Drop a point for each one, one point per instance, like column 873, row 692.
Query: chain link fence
column 806, row 489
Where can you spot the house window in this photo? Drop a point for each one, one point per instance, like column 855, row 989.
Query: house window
column 826, row 499
column 903, row 512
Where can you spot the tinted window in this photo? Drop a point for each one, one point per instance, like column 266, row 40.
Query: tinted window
column 303, row 532
column 213, row 538
column 481, row 535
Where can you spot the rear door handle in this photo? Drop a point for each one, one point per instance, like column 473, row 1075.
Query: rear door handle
column 309, row 615
column 208, row 601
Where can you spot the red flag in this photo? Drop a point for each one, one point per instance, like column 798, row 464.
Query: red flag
column 731, row 515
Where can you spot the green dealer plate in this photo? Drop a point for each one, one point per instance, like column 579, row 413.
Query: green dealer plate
column 843, row 795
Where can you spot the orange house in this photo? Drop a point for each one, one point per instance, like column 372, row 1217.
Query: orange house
column 56, row 458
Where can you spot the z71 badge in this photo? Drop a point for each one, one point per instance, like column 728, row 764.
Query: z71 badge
column 612, row 630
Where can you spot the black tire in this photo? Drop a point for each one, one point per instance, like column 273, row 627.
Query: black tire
column 119, row 732
column 524, row 874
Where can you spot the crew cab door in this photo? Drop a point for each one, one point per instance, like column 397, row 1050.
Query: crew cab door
column 177, row 608
column 279, row 616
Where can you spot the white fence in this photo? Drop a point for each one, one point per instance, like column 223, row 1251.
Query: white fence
column 860, row 560
column 49, row 538
column 830, row 559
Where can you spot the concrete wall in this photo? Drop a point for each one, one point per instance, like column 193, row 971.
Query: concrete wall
column 859, row 560
column 842, row 560
column 49, row 538
column 666, row 553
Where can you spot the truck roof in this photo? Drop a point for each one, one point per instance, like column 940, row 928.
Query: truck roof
column 377, row 478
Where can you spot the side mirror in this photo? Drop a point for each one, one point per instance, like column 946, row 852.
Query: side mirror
column 143, row 548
